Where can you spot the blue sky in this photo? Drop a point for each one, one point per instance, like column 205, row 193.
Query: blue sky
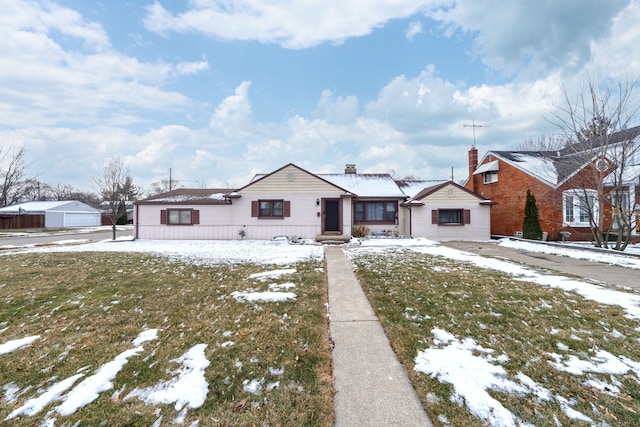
column 219, row 90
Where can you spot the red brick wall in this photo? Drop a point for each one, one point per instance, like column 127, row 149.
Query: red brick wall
column 510, row 194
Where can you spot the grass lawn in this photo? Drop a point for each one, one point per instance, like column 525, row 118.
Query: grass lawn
column 553, row 355
column 269, row 363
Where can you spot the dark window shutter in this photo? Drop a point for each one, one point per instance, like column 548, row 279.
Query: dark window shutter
column 195, row 217
column 254, row 208
column 163, row 216
column 286, row 208
column 434, row 216
column 467, row 216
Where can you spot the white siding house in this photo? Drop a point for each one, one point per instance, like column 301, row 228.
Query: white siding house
column 448, row 211
column 58, row 214
column 295, row 203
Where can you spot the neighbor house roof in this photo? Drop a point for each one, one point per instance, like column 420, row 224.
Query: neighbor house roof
column 192, row 195
column 541, row 164
column 555, row 167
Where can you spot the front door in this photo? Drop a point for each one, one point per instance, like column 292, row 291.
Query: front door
column 331, row 216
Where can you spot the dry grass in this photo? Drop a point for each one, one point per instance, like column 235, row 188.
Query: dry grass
column 88, row 307
column 413, row 293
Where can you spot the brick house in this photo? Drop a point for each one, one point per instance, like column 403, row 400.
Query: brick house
column 552, row 176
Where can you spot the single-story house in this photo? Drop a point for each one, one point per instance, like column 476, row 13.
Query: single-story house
column 57, row 214
column 296, row 203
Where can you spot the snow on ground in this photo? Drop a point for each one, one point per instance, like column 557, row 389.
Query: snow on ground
column 451, row 359
column 201, row 252
column 12, row 345
column 578, row 252
column 628, row 301
column 267, row 296
column 188, row 388
column 89, row 389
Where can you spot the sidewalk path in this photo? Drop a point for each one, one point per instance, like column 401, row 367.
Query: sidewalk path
column 372, row 388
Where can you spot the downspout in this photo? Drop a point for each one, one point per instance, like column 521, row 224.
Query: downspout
column 135, row 229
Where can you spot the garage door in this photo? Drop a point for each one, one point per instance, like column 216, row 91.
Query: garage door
column 81, row 219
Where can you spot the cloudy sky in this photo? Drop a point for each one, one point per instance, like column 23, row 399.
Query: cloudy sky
column 218, row 90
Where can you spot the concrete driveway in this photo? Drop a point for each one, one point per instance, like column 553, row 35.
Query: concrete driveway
column 609, row 274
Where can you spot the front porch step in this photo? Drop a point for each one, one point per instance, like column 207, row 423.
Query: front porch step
column 333, row 238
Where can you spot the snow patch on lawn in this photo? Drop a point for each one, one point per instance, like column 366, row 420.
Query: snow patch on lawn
column 188, row 388
column 451, row 360
column 13, row 345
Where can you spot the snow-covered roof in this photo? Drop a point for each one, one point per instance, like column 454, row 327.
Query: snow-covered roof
column 413, row 187
column 52, row 205
column 191, row 195
column 365, row 185
column 541, row 164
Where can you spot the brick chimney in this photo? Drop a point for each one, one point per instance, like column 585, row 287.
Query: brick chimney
column 473, row 164
column 351, row 168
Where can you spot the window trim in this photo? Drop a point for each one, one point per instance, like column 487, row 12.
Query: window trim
column 465, row 217
column 194, row 216
column 385, row 204
column 575, row 208
column 271, row 209
column 256, row 210
column 487, row 174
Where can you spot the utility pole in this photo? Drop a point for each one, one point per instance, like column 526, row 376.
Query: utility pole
column 473, row 125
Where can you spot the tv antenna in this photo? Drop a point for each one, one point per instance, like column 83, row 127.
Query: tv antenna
column 474, row 125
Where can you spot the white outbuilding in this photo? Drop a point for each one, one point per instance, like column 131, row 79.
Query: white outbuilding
column 58, row 214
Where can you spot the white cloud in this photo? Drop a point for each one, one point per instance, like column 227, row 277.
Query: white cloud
column 188, row 68
column 337, row 108
column 290, row 23
column 49, row 80
column 234, row 113
column 414, row 29
column 531, row 37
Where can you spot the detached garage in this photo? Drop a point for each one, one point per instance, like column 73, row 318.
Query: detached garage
column 58, row 214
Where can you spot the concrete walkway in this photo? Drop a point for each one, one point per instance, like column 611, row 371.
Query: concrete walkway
column 372, row 388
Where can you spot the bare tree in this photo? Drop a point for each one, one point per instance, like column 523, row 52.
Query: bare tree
column 110, row 185
column 59, row 191
column 599, row 120
column 13, row 179
column 162, row 186
column 544, row 143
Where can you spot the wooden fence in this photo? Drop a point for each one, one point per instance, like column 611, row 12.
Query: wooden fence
column 17, row 221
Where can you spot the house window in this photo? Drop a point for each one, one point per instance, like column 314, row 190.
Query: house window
column 380, row 212
column 451, row 216
column 271, row 209
column 579, row 207
column 180, row 217
column 490, row 177
column 621, row 208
